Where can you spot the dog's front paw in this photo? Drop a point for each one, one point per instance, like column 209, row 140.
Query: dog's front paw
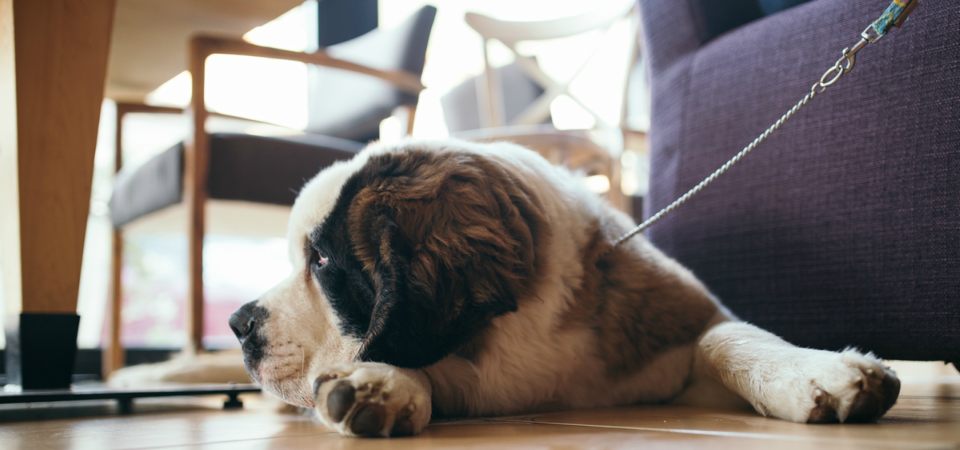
column 851, row 387
column 371, row 399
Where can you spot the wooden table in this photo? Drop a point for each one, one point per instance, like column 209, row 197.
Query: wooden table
column 53, row 68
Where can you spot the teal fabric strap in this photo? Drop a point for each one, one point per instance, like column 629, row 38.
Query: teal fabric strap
column 895, row 15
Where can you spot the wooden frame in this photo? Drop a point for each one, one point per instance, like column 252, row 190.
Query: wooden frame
column 113, row 354
column 196, row 168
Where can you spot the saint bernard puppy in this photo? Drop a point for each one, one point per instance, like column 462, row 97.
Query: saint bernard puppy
column 463, row 279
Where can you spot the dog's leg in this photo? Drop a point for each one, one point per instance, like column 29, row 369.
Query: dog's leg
column 372, row 399
column 793, row 383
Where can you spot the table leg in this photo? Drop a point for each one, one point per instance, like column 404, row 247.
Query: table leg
column 53, row 60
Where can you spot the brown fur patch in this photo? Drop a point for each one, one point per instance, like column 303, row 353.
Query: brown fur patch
column 636, row 301
column 450, row 240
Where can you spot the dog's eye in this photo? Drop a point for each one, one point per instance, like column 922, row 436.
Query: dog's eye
column 318, row 259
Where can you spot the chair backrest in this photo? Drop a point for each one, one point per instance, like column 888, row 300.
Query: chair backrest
column 349, row 105
column 341, row 20
column 512, row 32
column 461, row 106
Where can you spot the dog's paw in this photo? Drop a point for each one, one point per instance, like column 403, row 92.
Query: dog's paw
column 850, row 387
column 371, row 399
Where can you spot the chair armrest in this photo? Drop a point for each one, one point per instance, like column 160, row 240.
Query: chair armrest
column 204, row 46
column 124, row 108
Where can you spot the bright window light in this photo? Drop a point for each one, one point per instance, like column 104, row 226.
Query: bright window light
column 390, row 130
column 568, row 115
column 289, row 31
column 598, row 184
column 261, row 89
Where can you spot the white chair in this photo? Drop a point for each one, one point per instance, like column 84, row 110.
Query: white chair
column 596, row 151
column 510, row 33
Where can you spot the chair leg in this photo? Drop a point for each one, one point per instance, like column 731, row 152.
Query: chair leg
column 113, row 352
column 615, row 194
column 411, row 115
column 195, row 199
column 194, row 305
column 113, row 356
column 196, row 167
column 490, row 95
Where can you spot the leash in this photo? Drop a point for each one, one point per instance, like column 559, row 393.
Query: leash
column 894, row 16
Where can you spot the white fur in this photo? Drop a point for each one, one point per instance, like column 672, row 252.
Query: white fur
column 399, row 391
column 782, row 380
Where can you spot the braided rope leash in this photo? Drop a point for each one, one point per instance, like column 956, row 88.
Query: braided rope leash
column 895, row 15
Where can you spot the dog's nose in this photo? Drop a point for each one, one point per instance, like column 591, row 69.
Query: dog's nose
column 245, row 320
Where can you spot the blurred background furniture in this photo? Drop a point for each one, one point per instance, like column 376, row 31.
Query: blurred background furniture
column 355, row 85
column 512, row 103
column 842, row 227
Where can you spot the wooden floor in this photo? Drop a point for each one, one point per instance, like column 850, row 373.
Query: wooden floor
column 926, row 416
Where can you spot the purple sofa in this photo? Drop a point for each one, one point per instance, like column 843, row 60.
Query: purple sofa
column 843, row 228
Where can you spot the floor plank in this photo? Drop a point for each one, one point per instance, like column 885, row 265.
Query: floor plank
column 911, row 423
column 926, row 416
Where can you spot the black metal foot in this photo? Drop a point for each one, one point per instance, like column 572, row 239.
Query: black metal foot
column 125, row 405
column 41, row 350
column 233, row 401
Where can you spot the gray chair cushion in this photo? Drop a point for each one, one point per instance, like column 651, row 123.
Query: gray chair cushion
column 155, row 185
column 242, row 167
column 350, row 106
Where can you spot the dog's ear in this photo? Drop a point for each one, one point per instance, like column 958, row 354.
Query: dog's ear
column 450, row 241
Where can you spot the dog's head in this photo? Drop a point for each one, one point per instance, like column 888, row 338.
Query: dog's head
column 401, row 255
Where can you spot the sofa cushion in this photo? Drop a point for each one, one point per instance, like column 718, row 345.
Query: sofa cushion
column 768, row 7
column 718, row 17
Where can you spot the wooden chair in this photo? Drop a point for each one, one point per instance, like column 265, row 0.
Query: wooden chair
column 384, row 65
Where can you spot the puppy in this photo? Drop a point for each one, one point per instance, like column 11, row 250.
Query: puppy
column 466, row 279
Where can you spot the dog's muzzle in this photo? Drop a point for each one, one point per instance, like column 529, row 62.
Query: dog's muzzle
column 245, row 323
